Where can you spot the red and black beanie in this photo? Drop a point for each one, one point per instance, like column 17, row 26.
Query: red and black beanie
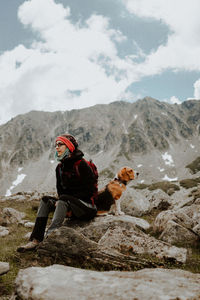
column 69, row 141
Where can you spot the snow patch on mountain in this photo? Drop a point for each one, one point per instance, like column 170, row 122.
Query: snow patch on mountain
column 161, row 169
column 168, row 159
column 169, row 179
column 19, row 180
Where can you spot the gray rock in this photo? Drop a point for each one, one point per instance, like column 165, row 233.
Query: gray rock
column 134, row 242
column 11, row 216
column 107, row 242
column 158, row 199
column 175, row 233
column 177, row 225
column 161, row 220
column 134, row 203
column 193, row 213
column 4, row 267
column 196, row 229
column 68, row 246
column 95, row 229
column 29, row 224
column 3, row 231
column 62, row 282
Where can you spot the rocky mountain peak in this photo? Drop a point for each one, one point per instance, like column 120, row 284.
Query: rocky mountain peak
column 120, row 133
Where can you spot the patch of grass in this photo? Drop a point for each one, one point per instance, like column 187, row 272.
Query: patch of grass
column 195, row 194
column 194, row 166
column 190, row 183
column 193, row 259
column 8, row 253
column 9, row 244
column 140, row 186
column 166, row 186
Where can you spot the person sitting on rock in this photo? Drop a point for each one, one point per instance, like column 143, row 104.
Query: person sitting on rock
column 75, row 191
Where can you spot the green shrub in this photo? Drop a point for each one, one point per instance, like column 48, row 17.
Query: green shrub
column 194, row 166
column 190, row 183
column 166, row 186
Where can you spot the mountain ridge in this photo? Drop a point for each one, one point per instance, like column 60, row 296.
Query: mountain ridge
column 115, row 134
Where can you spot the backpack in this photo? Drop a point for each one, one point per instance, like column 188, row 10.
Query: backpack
column 95, row 173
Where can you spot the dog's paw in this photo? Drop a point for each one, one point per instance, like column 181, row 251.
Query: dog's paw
column 119, row 213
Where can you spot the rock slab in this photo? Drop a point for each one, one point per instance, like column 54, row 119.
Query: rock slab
column 107, row 243
column 62, row 282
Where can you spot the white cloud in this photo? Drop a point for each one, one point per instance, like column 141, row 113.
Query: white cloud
column 183, row 44
column 78, row 65
column 174, row 100
column 69, row 66
column 197, row 90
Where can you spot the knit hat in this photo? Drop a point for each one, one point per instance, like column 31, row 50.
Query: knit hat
column 69, row 141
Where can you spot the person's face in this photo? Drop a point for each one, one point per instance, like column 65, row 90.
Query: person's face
column 60, row 148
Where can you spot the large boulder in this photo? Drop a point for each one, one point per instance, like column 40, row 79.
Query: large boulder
column 107, row 243
column 70, row 247
column 175, row 233
column 62, row 282
column 98, row 227
column 158, row 200
column 133, row 242
column 134, row 203
column 179, row 226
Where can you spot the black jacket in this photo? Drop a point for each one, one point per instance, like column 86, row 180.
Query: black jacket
column 68, row 182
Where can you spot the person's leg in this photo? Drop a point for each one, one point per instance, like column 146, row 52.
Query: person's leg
column 59, row 216
column 46, row 205
column 80, row 209
column 83, row 210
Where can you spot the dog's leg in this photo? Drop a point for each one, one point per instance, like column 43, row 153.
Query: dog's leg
column 118, row 211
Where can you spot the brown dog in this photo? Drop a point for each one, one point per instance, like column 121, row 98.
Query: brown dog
column 112, row 192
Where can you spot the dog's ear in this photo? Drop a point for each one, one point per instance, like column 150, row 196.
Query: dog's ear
column 130, row 173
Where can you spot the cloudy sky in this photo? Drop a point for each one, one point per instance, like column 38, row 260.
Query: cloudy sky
column 66, row 54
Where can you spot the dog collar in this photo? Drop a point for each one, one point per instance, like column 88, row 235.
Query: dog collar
column 120, row 181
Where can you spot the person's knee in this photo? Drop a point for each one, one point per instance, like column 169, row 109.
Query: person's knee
column 45, row 199
column 48, row 202
column 66, row 198
column 60, row 202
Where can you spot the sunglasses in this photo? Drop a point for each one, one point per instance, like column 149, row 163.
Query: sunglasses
column 59, row 144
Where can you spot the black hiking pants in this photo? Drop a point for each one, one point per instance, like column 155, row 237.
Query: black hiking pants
column 80, row 210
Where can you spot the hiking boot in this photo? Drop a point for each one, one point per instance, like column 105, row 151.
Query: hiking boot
column 29, row 246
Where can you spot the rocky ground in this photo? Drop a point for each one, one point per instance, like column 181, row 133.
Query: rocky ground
column 154, row 249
